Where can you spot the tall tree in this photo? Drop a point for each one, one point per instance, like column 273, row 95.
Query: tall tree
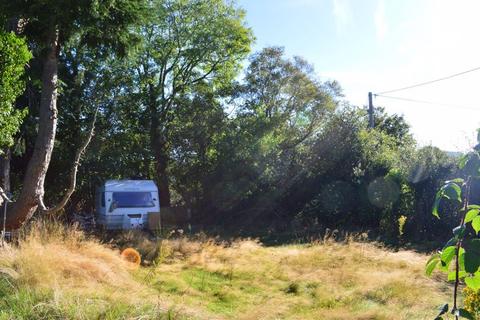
column 48, row 25
column 189, row 41
column 260, row 156
column 286, row 95
column 120, row 147
column 288, row 106
column 201, row 124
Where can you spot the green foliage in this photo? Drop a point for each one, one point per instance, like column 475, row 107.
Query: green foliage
column 401, row 225
column 425, row 171
column 379, row 150
column 471, row 214
column 393, row 125
column 450, row 191
column 99, row 24
column 14, row 55
column 432, row 264
column 185, row 44
column 464, row 247
column 472, row 255
column 472, row 301
column 276, row 149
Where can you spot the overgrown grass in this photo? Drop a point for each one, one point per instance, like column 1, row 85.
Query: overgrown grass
column 325, row 280
column 55, row 273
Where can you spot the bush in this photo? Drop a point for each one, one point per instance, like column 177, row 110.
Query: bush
column 472, row 301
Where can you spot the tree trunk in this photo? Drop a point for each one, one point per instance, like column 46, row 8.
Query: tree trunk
column 5, row 170
column 33, row 183
column 159, row 147
column 420, row 218
column 73, row 172
column 160, row 151
column 162, row 180
column 161, row 164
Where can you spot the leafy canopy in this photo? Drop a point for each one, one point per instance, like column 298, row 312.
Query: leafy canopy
column 102, row 24
column 14, row 55
column 188, row 41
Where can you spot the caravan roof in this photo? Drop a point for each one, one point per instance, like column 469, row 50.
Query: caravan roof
column 130, row 185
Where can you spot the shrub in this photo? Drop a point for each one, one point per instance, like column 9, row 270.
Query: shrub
column 472, row 301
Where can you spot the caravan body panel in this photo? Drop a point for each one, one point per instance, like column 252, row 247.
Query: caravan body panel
column 125, row 204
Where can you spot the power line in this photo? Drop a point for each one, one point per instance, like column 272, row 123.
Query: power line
column 429, row 102
column 430, row 82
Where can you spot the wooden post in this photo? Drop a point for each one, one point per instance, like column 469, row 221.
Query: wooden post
column 371, row 123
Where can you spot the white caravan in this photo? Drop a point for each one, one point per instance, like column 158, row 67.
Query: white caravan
column 125, row 204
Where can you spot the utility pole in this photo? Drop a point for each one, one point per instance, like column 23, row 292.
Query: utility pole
column 371, row 123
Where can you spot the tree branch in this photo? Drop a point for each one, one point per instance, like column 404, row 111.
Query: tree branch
column 73, row 172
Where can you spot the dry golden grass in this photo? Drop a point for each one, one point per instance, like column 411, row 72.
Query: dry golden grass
column 56, row 273
column 325, row 280
column 71, row 277
column 65, row 259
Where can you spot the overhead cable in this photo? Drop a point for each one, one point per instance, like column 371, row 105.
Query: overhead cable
column 429, row 102
column 430, row 82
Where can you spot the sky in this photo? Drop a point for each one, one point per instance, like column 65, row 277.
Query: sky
column 379, row 45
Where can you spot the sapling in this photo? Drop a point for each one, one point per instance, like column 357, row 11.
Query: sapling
column 460, row 256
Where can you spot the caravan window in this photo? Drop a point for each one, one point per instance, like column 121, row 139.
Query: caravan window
column 132, row 200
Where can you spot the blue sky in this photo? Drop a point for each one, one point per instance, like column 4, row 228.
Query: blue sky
column 377, row 45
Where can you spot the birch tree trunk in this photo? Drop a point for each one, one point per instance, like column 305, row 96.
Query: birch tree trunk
column 33, row 183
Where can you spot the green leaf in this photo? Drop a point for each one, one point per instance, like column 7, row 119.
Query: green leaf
column 431, row 264
column 465, row 314
column 458, row 231
column 471, row 214
column 472, row 255
column 473, row 206
column 473, row 283
column 452, row 191
column 436, row 204
column 456, row 180
column 463, row 161
column 443, row 310
column 472, row 164
column 452, row 275
column 447, row 255
column 476, row 224
column 461, row 260
column 452, row 242
column 435, row 256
